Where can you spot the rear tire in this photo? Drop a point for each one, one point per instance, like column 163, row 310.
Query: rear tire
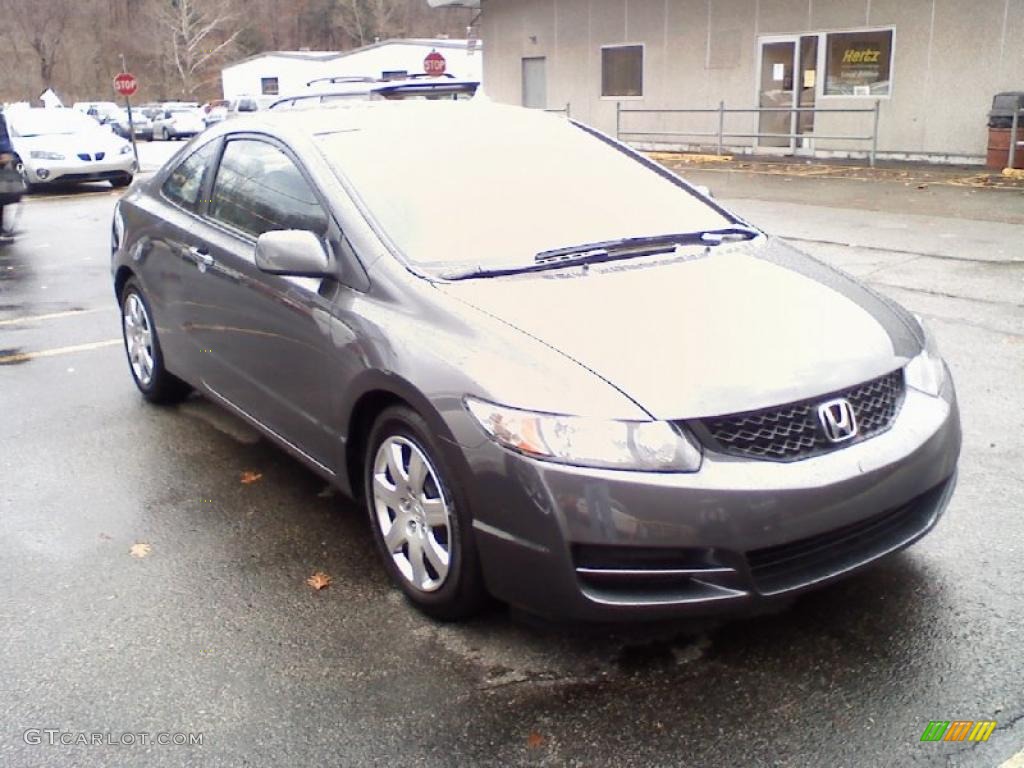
column 420, row 522
column 142, row 346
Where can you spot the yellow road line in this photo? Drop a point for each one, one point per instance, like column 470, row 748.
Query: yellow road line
column 24, row 356
column 51, row 316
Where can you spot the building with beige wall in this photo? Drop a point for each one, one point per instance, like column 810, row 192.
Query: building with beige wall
column 932, row 67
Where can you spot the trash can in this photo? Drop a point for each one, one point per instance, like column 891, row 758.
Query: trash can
column 1000, row 122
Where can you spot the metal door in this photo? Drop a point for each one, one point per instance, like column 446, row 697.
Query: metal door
column 535, row 83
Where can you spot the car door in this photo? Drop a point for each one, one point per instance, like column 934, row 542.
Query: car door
column 173, row 268
column 267, row 336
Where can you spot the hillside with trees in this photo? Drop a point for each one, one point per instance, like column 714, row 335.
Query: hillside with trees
column 177, row 47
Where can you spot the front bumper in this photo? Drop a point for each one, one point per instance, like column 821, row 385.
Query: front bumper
column 75, row 170
column 570, row 542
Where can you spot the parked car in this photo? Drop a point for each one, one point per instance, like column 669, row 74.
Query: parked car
column 596, row 394
column 111, row 115
column 215, row 111
column 323, row 93
column 245, row 105
column 63, row 146
column 178, row 123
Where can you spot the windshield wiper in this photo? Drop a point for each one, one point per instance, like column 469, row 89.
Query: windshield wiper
column 638, row 246
column 607, row 250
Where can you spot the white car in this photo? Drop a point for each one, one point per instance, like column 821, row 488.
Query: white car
column 65, row 146
column 178, row 123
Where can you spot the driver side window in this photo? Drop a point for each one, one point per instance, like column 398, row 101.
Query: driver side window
column 259, row 189
column 185, row 183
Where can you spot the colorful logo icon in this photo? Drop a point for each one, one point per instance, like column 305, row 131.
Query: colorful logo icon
column 958, row 730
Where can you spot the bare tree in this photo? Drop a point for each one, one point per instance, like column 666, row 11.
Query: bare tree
column 365, row 21
column 197, row 36
column 40, row 26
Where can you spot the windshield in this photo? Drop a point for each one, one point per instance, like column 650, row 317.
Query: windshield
column 491, row 187
column 51, row 122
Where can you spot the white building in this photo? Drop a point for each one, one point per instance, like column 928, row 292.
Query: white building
column 286, row 72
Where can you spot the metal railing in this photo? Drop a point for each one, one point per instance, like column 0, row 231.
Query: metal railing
column 720, row 135
column 562, row 111
column 1015, row 124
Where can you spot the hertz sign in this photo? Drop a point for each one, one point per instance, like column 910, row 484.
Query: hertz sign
column 861, row 56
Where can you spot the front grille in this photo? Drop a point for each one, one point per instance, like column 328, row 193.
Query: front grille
column 83, row 156
column 791, row 432
column 100, row 155
column 798, row 563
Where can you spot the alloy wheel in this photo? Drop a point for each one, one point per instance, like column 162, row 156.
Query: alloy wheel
column 138, row 338
column 412, row 513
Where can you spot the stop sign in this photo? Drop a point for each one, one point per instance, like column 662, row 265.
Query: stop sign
column 434, row 64
column 126, row 84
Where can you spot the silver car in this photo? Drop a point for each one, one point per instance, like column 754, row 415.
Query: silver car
column 551, row 370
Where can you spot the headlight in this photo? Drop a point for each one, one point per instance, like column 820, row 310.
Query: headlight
column 638, row 445
column 37, row 154
column 126, row 149
column 926, row 372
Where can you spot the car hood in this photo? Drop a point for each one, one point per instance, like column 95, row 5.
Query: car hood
column 70, row 144
column 703, row 333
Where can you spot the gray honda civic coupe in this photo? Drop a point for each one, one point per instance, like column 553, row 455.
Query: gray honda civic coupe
column 552, row 371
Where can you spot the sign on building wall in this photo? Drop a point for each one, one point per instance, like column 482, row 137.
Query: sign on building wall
column 859, row 63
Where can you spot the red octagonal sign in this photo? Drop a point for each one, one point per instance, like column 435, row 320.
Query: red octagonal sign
column 126, row 84
column 434, row 64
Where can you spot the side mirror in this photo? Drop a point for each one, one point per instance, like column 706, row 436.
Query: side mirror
column 296, row 252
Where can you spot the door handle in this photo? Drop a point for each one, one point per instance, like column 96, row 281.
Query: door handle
column 202, row 258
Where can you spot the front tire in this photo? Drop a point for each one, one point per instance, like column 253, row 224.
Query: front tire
column 422, row 528
column 121, row 181
column 145, row 359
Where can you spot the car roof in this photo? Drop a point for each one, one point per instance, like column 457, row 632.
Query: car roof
column 363, row 86
column 445, row 117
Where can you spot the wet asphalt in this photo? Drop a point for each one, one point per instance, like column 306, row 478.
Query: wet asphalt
column 214, row 632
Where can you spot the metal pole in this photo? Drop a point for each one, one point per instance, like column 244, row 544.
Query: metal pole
column 874, row 134
column 1013, row 139
column 131, row 123
column 721, row 124
column 618, row 119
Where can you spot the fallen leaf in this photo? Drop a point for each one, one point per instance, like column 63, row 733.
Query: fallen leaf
column 140, row 550
column 251, row 477
column 106, row 537
column 319, row 580
column 534, row 740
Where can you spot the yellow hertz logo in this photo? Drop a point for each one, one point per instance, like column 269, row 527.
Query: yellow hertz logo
column 861, row 56
column 958, row 730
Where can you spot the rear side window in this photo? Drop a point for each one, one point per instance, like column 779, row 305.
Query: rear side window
column 258, row 189
column 186, row 181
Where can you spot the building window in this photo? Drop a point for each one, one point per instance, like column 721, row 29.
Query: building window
column 858, row 63
column 622, row 70
column 268, row 86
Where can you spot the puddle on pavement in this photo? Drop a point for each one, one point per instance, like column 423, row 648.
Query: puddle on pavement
column 506, row 652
